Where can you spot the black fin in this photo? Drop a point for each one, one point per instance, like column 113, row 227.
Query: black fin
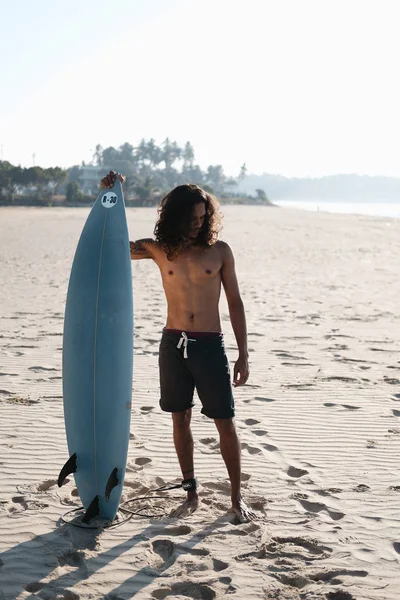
column 92, row 511
column 68, row 468
column 112, row 482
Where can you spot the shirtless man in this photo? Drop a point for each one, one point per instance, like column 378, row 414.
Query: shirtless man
column 193, row 264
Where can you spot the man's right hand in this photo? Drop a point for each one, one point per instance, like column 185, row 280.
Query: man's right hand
column 109, row 180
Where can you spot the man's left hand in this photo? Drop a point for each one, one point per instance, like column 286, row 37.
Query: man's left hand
column 241, row 371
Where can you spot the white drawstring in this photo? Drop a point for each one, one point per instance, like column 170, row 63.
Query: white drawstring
column 184, row 340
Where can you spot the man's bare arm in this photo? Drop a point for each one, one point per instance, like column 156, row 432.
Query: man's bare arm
column 236, row 313
column 142, row 248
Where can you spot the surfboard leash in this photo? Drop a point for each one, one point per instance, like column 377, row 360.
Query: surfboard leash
column 187, row 485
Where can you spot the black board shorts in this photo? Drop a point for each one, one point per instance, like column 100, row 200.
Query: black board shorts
column 189, row 360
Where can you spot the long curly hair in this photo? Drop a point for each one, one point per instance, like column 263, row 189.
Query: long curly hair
column 175, row 217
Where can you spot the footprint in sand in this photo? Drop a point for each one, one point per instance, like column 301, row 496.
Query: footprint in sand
column 327, row 576
column 259, row 432
column 250, row 449
column 220, row 565
column 396, row 413
column 270, row 447
column 20, row 503
column 262, row 399
column 146, row 409
column 46, row 485
column 297, row 580
column 187, row 589
column 39, row 369
column 5, row 393
column 362, row 487
column 208, row 441
column 179, row 530
column 292, row 547
column 21, row 400
column 164, row 552
column 338, row 378
column 316, row 507
column 347, row 406
column 296, row 472
column 299, row 386
column 72, row 558
column 251, row 422
column 289, row 364
column 329, row 491
column 391, row 380
column 142, row 460
column 211, row 445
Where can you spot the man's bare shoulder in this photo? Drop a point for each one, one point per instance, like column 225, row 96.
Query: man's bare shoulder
column 224, row 249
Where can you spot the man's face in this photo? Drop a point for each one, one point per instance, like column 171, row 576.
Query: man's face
column 199, row 214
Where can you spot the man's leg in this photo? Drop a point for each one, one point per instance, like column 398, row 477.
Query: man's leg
column 231, row 453
column 183, row 441
column 184, row 446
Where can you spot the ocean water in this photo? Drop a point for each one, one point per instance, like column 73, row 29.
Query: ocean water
column 375, row 209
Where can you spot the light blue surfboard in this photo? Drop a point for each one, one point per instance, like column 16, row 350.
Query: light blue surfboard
column 98, row 357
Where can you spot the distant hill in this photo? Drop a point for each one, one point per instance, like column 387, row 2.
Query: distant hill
column 334, row 187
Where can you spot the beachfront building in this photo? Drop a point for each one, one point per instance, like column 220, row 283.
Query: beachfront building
column 89, row 178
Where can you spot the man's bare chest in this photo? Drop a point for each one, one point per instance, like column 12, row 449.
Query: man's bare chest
column 196, row 267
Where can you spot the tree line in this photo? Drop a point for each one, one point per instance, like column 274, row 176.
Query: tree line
column 151, row 170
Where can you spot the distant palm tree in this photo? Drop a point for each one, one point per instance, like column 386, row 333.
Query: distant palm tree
column 243, row 171
column 168, row 153
column 188, row 155
column 154, row 153
column 98, row 155
column 143, row 189
column 176, row 152
column 216, row 177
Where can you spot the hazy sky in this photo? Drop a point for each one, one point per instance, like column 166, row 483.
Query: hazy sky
column 296, row 87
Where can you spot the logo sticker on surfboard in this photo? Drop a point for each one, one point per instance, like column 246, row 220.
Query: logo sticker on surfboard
column 109, row 200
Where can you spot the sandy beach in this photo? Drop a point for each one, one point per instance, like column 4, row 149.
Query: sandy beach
column 319, row 421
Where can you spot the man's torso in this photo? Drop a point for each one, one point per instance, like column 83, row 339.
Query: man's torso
column 192, row 286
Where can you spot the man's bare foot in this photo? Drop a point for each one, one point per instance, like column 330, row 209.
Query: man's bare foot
column 188, row 507
column 242, row 511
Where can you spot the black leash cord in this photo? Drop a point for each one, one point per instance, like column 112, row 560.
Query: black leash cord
column 186, row 484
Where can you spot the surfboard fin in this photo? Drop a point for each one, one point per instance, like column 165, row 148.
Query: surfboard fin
column 92, row 511
column 112, row 482
column 68, row 468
